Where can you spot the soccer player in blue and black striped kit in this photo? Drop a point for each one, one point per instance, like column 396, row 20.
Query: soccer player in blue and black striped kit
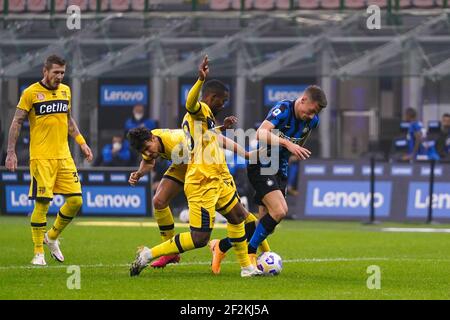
column 288, row 125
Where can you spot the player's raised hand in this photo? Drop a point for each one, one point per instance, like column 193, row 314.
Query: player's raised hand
column 87, row 152
column 228, row 122
column 203, row 69
column 11, row 161
column 300, row 152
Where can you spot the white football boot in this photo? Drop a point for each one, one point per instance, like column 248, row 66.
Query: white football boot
column 53, row 246
column 250, row 271
column 143, row 258
column 39, row 260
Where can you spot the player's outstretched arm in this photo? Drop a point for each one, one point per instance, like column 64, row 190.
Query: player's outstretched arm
column 230, row 145
column 74, row 132
column 144, row 167
column 265, row 135
column 14, row 131
column 192, row 104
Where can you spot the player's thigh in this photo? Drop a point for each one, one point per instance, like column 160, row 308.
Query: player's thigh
column 166, row 191
column 43, row 174
column 176, row 172
column 67, row 179
column 228, row 196
column 275, row 202
column 202, row 201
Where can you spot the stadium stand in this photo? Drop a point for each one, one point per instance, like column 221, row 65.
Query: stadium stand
column 381, row 3
column 120, row 5
column 104, row 5
column 308, row 4
column 137, row 5
column 219, row 5
column 236, row 4
column 37, row 5
column 355, row 4
column 264, row 4
column 330, row 4
column 16, row 5
column 423, row 3
column 60, row 6
column 283, row 4
column 83, row 4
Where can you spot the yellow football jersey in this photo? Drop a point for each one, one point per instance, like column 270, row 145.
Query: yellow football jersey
column 173, row 144
column 207, row 159
column 47, row 114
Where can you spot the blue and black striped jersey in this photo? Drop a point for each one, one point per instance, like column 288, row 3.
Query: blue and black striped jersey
column 282, row 116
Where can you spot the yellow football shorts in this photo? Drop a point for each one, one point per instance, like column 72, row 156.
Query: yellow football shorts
column 53, row 176
column 176, row 172
column 208, row 197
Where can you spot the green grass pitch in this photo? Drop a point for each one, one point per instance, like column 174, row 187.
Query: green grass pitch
column 321, row 260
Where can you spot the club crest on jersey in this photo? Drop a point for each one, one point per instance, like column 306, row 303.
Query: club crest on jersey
column 64, row 94
column 270, row 182
column 211, row 123
column 40, row 96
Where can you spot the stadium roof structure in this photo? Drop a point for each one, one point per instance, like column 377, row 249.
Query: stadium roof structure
column 255, row 45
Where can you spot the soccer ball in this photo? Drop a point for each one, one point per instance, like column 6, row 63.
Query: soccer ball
column 269, row 263
column 184, row 216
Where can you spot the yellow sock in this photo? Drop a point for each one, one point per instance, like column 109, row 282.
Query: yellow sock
column 236, row 234
column 178, row 244
column 264, row 246
column 65, row 214
column 166, row 224
column 38, row 225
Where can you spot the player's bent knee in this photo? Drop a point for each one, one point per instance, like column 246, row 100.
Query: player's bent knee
column 200, row 239
column 159, row 203
column 75, row 202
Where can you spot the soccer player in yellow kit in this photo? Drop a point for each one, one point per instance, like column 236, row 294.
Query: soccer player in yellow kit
column 170, row 144
column 209, row 185
column 47, row 106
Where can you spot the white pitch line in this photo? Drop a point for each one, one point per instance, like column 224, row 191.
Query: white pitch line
column 423, row 230
column 135, row 224
column 302, row 260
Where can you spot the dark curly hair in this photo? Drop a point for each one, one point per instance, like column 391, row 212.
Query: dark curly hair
column 137, row 138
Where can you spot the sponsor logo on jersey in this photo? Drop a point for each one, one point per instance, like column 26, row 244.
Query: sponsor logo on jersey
column 51, row 107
